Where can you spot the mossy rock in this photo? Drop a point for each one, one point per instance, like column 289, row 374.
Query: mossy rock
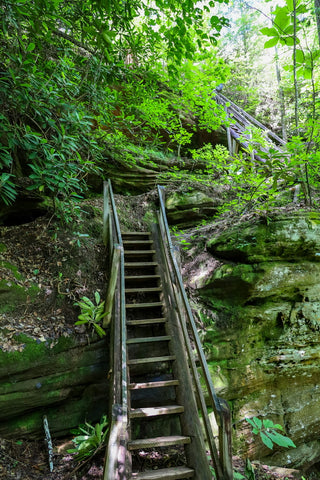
column 64, row 379
column 283, row 238
column 190, row 207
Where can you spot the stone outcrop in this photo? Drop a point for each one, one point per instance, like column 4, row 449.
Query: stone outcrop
column 260, row 307
column 64, row 379
column 187, row 208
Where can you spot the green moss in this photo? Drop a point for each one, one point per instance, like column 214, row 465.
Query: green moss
column 12, row 268
column 12, row 295
column 3, row 248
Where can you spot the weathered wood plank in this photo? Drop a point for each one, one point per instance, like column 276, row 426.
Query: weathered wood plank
column 173, row 473
column 164, row 383
column 158, row 442
column 163, row 338
column 140, row 361
column 155, row 411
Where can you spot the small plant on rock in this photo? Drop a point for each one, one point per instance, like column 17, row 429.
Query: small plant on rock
column 92, row 313
column 269, row 434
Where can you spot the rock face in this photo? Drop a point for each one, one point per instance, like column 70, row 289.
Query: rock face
column 64, row 379
column 261, row 310
column 188, row 208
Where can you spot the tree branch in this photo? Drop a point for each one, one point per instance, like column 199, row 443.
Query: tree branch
column 64, row 35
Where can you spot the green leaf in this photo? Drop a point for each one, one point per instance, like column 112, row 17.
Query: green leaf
column 81, row 322
column 267, row 423
column 266, row 440
column 269, row 32
column 257, row 421
column 271, row 43
column 237, row 476
column 99, row 330
column 300, row 57
column 97, row 297
column 288, row 41
column 31, row 47
column 281, row 440
column 277, row 426
column 282, row 19
column 307, row 73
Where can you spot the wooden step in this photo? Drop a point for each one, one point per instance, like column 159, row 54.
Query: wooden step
column 172, row 473
column 141, row 361
column 139, row 252
column 159, row 384
column 158, row 442
column 124, row 234
column 146, row 321
column 140, row 264
column 142, row 277
column 138, row 242
column 164, row 338
column 144, row 305
column 143, row 290
column 155, row 411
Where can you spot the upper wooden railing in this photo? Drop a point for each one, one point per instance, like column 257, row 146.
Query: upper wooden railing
column 222, row 457
column 238, row 132
column 116, row 465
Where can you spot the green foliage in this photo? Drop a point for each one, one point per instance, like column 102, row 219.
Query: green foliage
column 8, row 192
column 283, row 30
column 92, row 313
column 89, row 439
column 268, row 433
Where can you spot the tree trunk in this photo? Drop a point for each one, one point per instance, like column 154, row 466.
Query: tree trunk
column 317, row 13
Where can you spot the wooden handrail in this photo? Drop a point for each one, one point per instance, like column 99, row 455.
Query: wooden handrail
column 246, row 118
column 116, row 454
column 222, row 461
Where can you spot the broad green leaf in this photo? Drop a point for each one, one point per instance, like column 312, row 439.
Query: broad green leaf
column 97, row 297
column 300, row 57
column 266, row 440
column 270, row 32
column 278, row 427
column 257, row 421
column 282, row 19
column 281, row 440
column 289, row 30
column 267, row 423
column 271, row 43
column 287, row 41
column 31, row 47
column 307, row 73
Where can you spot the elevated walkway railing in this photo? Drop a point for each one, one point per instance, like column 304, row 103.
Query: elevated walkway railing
column 116, row 465
column 221, row 457
column 241, row 121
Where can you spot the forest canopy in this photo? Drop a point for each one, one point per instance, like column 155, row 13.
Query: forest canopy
column 81, row 81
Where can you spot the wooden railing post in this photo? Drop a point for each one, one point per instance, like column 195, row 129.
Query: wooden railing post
column 225, row 440
column 112, row 284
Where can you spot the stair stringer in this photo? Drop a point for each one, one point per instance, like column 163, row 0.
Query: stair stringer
column 190, row 422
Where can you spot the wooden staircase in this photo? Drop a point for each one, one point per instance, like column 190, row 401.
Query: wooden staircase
column 152, row 384
column 156, row 356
